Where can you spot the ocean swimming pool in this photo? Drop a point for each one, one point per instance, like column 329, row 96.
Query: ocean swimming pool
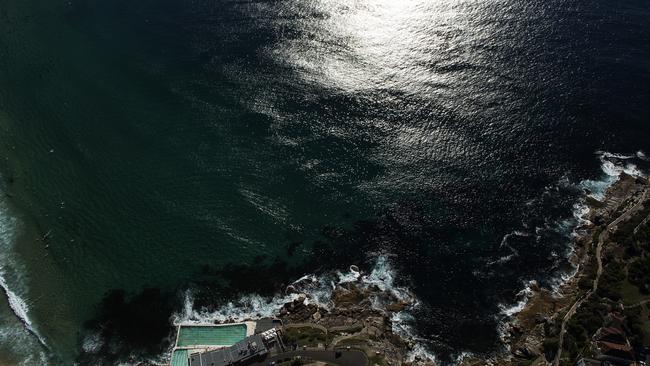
column 179, row 358
column 197, row 335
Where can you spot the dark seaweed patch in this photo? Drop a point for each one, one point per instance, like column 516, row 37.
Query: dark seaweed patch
column 134, row 325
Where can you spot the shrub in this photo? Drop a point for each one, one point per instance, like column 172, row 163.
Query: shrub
column 639, row 275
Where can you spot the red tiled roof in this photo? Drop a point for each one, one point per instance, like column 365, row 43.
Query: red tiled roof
column 606, row 346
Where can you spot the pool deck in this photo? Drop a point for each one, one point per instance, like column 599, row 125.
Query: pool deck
column 189, row 347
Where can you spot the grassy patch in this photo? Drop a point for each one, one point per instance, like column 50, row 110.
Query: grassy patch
column 631, row 294
column 645, row 319
column 377, row 360
column 306, row 336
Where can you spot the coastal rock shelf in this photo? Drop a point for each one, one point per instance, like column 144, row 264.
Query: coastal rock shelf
column 353, row 320
column 354, row 328
column 601, row 313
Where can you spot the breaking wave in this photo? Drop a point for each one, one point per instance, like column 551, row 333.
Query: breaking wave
column 318, row 290
column 10, row 280
column 523, row 295
column 612, row 166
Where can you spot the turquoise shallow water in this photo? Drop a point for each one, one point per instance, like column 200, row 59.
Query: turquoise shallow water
column 168, row 144
column 210, row 336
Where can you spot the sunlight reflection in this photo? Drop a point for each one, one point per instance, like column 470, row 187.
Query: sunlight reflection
column 371, row 44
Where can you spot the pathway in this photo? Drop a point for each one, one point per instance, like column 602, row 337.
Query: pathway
column 601, row 240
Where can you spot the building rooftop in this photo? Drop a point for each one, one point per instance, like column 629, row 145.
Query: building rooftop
column 262, row 325
column 246, row 349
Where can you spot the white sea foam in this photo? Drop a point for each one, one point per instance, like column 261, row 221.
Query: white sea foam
column 22, row 345
column 383, row 276
column 11, row 273
column 504, row 243
column 402, row 325
column 245, row 308
column 318, row 290
column 17, row 305
column 420, row 352
column 523, row 296
column 607, row 154
column 612, row 165
column 254, row 306
column 92, row 343
column 462, row 357
column 351, row 276
column 7, row 237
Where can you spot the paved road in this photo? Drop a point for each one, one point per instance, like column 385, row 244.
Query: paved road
column 601, row 240
column 345, row 358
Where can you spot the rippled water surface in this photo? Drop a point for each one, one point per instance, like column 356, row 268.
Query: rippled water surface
column 231, row 147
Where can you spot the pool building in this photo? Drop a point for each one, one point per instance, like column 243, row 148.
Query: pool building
column 224, row 344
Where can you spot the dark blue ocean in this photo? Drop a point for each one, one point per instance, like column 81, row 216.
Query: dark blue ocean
column 155, row 149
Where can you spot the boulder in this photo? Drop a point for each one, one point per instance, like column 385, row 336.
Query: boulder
column 396, row 307
column 534, row 286
column 540, row 318
column 316, row 316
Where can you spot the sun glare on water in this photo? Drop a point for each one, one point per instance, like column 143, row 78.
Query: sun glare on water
column 371, row 44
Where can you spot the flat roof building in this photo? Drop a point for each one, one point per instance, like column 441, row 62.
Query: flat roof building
column 245, row 350
column 264, row 324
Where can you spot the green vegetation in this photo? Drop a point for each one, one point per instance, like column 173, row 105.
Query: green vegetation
column 524, row 362
column 625, row 279
column 639, row 274
column 645, row 319
column 378, row 360
column 586, row 282
column 636, row 332
column 582, row 326
column 306, row 336
column 550, row 347
column 611, row 280
column 631, row 294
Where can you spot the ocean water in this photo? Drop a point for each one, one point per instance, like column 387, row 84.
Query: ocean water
column 224, row 149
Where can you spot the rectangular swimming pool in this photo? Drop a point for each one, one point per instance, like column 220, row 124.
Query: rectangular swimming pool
column 179, row 358
column 226, row 335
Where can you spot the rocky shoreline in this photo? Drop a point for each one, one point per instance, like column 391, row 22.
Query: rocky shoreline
column 527, row 335
column 362, row 315
column 359, row 316
column 365, row 313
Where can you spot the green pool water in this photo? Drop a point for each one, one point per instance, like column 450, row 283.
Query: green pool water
column 210, row 336
column 179, row 358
